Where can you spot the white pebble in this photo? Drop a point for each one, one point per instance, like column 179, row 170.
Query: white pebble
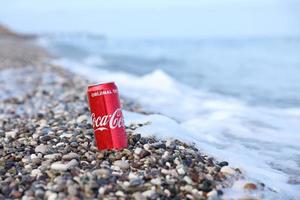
column 41, row 148
column 35, row 136
column 120, row 194
column 52, row 156
column 82, row 118
column 101, row 190
column 138, row 150
column 176, row 161
column 181, row 170
column 168, row 143
column 35, row 172
column 156, row 181
column 188, row 180
column 187, row 188
column 60, row 144
column 132, row 175
column 33, row 156
column 167, row 192
column 212, row 195
column 148, row 193
column 138, row 196
column 59, row 166
column 52, row 196
column 122, row 164
column 64, row 167
column 165, row 155
column 11, row 134
column 146, row 146
column 226, row 170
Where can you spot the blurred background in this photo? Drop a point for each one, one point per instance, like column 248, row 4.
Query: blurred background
column 228, row 70
column 253, row 45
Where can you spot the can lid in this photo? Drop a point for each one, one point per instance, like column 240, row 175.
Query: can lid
column 101, row 84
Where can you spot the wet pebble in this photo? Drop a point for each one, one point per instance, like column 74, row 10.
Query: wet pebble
column 250, row 186
column 226, row 170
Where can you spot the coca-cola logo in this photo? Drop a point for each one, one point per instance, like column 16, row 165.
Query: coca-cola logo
column 111, row 121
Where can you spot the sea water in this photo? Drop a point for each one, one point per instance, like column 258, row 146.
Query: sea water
column 236, row 99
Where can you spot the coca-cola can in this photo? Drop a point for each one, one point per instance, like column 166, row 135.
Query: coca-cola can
column 107, row 117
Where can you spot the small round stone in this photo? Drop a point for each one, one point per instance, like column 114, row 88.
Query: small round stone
column 41, row 148
column 121, row 164
column 226, row 170
column 250, row 186
column 74, row 144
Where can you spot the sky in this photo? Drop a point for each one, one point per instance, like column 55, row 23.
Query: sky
column 155, row 19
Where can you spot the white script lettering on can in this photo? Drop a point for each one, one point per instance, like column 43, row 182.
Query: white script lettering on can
column 114, row 120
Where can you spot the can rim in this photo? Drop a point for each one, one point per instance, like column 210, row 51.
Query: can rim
column 99, row 84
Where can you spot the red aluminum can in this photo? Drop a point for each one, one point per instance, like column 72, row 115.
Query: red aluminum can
column 107, row 118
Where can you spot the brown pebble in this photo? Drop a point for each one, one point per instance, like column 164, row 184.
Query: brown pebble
column 144, row 153
column 250, row 186
column 16, row 194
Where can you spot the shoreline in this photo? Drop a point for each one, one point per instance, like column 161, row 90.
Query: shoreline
column 48, row 151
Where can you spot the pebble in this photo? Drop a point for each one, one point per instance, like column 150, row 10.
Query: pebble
column 167, row 192
column 82, row 118
column 135, row 182
column 72, row 189
column 187, row 188
column 39, row 193
column 226, row 170
column 146, row 146
column 64, row 166
column 223, row 163
column 70, row 156
column 144, row 153
column 212, row 195
column 54, row 156
column 11, row 134
column 138, row 150
column 59, row 166
column 181, row 170
column 139, row 196
column 16, row 194
column 101, row 173
column 41, row 148
column 250, row 186
column 45, row 138
column 156, row 181
column 165, row 155
column 158, row 145
column 121, row 164
column 73, row 163
column 35, row 172
column 148, row 193
column 74, row 144
column 51, row 196
column 120, row 194
column 168, row 143
column 188, row 180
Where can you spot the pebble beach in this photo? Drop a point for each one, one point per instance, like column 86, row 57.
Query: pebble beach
column 47, row 147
